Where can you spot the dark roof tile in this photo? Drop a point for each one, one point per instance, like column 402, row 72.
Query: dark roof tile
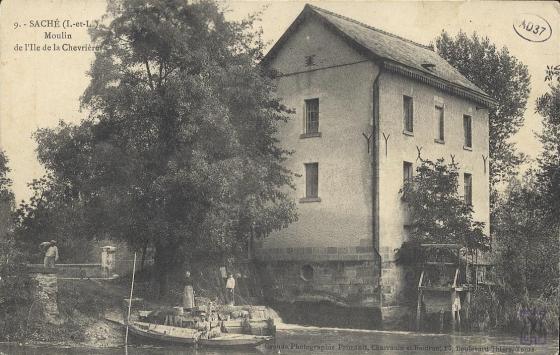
column 387, row 47
column 397, row 49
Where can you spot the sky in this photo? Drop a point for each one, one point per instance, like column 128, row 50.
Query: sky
column 39, row 88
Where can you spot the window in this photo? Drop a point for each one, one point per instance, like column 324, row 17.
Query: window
column 312, row 180
column 440, row 136
column 407, row 177
column 312, row 116
column 407, row 172
column 408, row 115
column 467, row 127
column 468, row 189
column 310, row 60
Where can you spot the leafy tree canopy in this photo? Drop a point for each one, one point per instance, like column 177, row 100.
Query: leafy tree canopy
column 526, row 227
column 12, row 262
column 504, row 78
column 438, row 214
column 6, row 196
column 548, row 175
column 179, row 149
column 526, row 244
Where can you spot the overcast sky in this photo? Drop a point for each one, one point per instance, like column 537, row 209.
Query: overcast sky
column 37, row 89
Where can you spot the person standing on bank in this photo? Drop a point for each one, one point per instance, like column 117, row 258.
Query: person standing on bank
column 230, row 290
column 51, row 255
column 188, row 292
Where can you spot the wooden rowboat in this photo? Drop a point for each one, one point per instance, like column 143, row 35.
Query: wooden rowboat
column 164, row 333
column 229, row 340
column 188, row 336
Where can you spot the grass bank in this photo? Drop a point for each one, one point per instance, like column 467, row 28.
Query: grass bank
column 83, row 304
column 491, row 309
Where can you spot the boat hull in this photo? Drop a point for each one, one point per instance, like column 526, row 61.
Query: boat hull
column 186, row 336
column 235, row 341
column 164, row 333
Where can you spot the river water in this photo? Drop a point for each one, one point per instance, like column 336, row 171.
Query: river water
column 313, row 340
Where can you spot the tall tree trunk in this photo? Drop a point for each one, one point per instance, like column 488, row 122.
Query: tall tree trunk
column 162, row 266
column 144, row 249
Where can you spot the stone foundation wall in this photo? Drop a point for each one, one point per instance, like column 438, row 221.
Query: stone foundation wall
column 391, row 278
column 344, row 282
column 395, row 279
column 45, row 296
column 352, row 276
column 364, row 251
column 398, row 285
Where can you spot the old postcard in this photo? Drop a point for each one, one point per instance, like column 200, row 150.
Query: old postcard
column 279, row 177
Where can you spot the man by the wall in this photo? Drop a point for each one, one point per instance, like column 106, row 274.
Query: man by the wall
column 51, row 255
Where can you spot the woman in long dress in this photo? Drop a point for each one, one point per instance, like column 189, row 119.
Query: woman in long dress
column 188, row 292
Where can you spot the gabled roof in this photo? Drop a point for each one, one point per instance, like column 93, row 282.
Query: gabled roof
column 394, row 53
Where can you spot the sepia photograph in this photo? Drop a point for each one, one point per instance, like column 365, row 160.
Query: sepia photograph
column 279, row 177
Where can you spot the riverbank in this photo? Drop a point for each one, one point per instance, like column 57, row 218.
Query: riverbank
column 84, row 305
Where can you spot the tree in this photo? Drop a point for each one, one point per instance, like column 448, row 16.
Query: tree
column 437, row 213
column 179, row 150
column 12, row 267
column 548, row 175
column 527, row 222
column 526, row 244
column 51, row 214
column 504, row 78
column 6, row 197
column 527, row 225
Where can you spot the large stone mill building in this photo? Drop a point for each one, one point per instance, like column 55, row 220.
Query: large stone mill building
column 367, row 103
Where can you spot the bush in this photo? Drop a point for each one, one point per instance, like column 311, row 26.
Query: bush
column 543, row 312
column 66, row 332
column 496, row 309
column 15, row 295
column 483, row 309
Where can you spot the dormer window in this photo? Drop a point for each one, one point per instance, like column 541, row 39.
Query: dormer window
column 428, row 66
column 310, row 60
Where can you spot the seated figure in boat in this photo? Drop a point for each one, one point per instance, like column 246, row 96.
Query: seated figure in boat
column 209, row 327
column 214, row 319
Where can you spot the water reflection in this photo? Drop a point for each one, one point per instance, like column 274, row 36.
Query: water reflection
column 136, row 349
column 308, row 340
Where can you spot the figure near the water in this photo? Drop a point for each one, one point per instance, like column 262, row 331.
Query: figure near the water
column 51, row 254
column 188, row 292
column 230, row 290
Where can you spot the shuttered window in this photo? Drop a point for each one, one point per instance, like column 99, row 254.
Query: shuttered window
column 312, row 116
column 440, row 124
column 468, row 189
column 467, row 127
column 312, row 180
column 407, row 172
column 408, row 114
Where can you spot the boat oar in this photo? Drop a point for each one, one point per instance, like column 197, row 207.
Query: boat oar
column 130, row 304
